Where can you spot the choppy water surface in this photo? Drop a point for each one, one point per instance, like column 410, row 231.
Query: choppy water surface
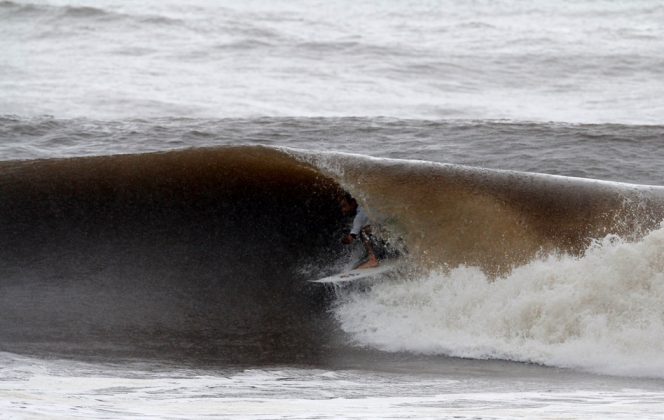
column 591, row 61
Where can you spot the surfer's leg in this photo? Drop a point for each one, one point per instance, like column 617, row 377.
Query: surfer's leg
column 372, row 260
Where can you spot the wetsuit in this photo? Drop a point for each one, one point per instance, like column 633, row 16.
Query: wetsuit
column 362, row 229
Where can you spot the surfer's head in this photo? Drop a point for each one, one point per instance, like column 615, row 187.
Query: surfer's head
column 347, row 204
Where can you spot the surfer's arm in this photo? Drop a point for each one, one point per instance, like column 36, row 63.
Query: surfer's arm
column 361, row 220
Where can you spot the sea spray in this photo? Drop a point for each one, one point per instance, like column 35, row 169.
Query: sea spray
column 600, row 312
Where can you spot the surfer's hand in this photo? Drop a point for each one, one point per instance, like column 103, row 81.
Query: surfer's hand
column 347, row 240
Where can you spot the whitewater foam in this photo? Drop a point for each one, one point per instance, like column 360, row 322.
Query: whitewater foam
column 601, row 312
column 34, row 388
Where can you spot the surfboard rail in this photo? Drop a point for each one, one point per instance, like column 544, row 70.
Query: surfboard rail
column 358, row 273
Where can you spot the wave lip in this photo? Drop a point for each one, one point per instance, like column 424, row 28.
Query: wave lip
column 451, row 215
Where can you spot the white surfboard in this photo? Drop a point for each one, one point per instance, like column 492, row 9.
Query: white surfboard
column 358, row 273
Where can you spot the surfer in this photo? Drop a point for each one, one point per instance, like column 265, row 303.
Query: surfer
column 361, row 228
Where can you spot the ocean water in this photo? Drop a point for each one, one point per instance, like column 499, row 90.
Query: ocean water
column 580, row 62
column 169, row 178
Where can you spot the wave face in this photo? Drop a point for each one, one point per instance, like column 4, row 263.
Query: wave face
column 206, row 253
column 451, row 215
column 195, row 251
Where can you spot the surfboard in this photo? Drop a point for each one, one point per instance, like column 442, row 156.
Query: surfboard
column 358, row 273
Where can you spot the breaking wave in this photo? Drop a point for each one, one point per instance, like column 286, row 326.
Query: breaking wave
column 206, row 252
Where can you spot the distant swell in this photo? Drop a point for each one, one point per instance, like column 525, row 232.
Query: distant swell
column 64, row 14
column 72, row 11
